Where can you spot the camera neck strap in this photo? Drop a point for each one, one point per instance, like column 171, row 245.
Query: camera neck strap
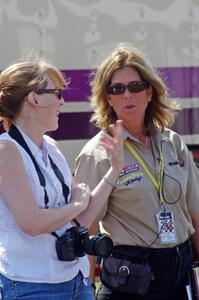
column 16, row 135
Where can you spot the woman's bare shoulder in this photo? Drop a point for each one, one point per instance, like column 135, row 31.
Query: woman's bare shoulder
column 8, row 152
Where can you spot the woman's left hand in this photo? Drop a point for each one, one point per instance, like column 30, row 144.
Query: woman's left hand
column 114, row 145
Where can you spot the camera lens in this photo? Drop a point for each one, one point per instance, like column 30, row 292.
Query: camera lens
column 103, row 246
column 99, row 246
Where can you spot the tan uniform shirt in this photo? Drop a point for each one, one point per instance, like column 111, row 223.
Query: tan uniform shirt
column 130, row 214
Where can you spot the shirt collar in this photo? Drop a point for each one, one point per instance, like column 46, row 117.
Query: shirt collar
column 158, row 135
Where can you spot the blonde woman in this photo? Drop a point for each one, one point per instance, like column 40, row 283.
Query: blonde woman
column 152, row 213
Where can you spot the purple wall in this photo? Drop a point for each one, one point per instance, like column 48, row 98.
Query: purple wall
column 182, row 82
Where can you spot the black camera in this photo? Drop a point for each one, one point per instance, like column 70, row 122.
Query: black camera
column 75, row 242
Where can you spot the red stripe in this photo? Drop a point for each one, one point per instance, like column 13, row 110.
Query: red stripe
column 196, row 155
column 97, row 271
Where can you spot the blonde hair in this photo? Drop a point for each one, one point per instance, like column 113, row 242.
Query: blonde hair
column 18, row 80
column 160, row 111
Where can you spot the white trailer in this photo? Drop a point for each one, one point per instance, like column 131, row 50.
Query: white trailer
column 76, row 35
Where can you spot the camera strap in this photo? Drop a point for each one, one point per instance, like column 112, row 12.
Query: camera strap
column 16, row 135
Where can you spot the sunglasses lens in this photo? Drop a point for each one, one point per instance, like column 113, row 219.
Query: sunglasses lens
column 116, row 89
column 137, row 86
column 133, row 87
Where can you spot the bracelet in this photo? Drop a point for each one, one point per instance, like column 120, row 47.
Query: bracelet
column 93, row 286
column 107, row 181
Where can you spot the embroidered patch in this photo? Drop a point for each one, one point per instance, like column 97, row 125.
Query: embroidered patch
column 129, row 174
column 129, row 169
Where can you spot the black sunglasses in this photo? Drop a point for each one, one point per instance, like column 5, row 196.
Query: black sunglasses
column 57, row 92
column 133, row 87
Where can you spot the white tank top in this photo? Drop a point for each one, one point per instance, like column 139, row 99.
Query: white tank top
column 33, row 258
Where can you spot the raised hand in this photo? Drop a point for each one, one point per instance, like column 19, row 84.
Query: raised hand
column 114, row 145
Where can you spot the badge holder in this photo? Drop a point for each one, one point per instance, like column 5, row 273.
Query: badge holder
column 166, row 226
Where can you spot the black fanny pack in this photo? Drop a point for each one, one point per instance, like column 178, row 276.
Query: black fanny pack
column 126, row 276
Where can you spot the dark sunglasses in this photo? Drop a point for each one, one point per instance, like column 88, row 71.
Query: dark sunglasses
column 57, row 92
column 133, row 87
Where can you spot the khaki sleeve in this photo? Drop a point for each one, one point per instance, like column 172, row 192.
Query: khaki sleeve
column 90, row 171
column 192, row 186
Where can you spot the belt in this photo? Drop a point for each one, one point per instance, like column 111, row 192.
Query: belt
column 128, row 251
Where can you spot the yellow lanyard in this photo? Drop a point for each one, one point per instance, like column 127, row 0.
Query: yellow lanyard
column 157, row 183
